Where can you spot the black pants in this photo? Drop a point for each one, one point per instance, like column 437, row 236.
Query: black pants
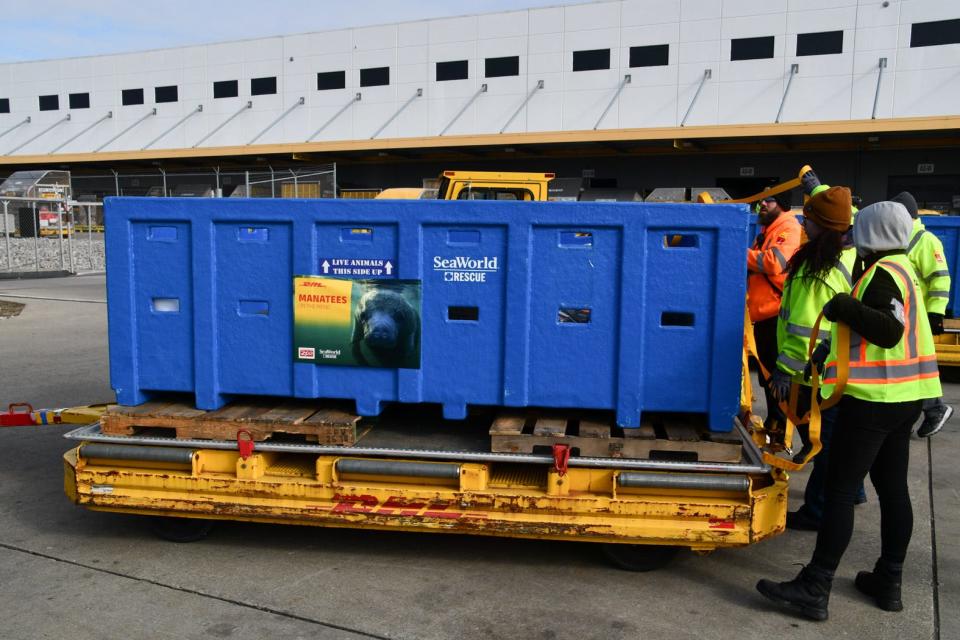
column 874, row 438
column 765, row 335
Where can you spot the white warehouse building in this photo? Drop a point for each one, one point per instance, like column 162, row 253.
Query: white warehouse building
column 653, row 91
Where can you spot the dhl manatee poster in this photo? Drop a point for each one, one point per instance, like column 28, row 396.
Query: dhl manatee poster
column 365, row 323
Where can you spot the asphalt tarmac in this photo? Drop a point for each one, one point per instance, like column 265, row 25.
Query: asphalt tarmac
column 71, row 573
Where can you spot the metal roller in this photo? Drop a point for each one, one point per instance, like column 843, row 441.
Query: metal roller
column 398, row 468
column 641, row 480
column 100, row 451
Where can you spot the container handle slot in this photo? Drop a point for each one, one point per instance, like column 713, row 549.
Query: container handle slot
column 162, row 234
column 681, row 240
column 165, row 305
column 253, row 308
column 356, row 234
column 253, row 234
column 576, row 239
column 676, row 319
column 573, row 315
column 463, row 314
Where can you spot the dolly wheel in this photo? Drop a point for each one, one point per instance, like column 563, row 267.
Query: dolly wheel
column 180, row 529
column 639, row 557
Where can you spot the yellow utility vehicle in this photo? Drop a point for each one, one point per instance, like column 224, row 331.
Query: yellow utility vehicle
column 477, row 185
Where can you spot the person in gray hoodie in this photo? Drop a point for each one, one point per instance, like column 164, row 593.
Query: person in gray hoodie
column 892, row 370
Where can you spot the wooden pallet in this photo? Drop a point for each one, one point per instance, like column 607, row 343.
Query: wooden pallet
column 595, row 438
column 320, row 423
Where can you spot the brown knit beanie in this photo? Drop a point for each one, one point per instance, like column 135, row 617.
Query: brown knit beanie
column 831, row 208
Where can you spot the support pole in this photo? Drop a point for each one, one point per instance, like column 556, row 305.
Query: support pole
column 876, row 96
column 536, row 88
column 66, row 118
column 163, row 178
column 61, row 146
column 326, row 124
column 179, row 122
column 463, row 109
column 6, row 235
column 625, row 82
column 19, row 124
column 281, row 117
column 417, row 94
column 707, row 74
column 248, row 105
column 794, row 70
column 149, row 114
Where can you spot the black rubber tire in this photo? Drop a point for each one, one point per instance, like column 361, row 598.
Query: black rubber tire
column 639, row 557
column 180, row 529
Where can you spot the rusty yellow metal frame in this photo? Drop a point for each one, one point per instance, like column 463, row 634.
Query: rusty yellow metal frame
column 948, row 349
column 706, row 132
column 494, row 500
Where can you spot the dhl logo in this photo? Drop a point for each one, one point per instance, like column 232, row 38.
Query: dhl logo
column 397, row 506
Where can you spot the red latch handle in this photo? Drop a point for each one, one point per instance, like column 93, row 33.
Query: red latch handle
column 14, row 418
column 561, row 457
column 245, row 446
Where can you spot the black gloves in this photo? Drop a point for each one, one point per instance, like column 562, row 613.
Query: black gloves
column 780, row 385
column 936, row 323
column 817, row 358
column 810, row 181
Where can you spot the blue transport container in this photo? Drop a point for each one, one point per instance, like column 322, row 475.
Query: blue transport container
column 628, row 307
column 947, row 228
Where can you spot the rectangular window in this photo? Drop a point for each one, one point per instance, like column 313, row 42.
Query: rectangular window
column 500, row 67
column 4, row 105
column 454, row 70
column 226, row 89
column 263, row 86
column 331, row 80
column 79, row 100
column 131, row 96
column 653, row 55
column 751, row 48
column 931, row 34
column 592, row 60
column 165, row 94
column 374, row 77
column 49, row 103
column 819, row 44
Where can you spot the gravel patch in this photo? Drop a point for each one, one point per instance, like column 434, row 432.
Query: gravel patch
column 10, row 309
column 87, row 254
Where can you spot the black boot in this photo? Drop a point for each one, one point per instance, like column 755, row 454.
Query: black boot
column 883, row 584
column 808, row 593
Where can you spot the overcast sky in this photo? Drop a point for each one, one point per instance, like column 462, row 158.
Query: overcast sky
column 42, row 29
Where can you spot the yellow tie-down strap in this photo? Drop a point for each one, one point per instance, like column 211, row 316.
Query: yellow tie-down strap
column 789, row 408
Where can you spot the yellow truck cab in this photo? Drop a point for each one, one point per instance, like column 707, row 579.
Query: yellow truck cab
column 479, row 185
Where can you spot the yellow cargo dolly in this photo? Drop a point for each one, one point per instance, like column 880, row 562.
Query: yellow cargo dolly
column 642, row 510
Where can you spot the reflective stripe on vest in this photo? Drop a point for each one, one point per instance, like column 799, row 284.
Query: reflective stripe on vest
column 907, row 371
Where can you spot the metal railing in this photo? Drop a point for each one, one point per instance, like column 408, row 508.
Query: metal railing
column 31, row 242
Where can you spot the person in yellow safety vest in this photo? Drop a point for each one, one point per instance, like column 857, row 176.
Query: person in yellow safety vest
column 926, row 254
column 820, row 269
column 892, row 369
column 767, row 260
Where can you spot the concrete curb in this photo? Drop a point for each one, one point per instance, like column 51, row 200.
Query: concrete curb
column 33, row 275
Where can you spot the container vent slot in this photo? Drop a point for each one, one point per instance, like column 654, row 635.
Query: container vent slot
column 463, row 313
column 573, row 315
column 676, row 240
column 576, row 239
column 676, row 319
column 165, row 305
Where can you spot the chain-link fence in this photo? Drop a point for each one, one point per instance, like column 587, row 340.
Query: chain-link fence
column 54, row 222
column 50, row 234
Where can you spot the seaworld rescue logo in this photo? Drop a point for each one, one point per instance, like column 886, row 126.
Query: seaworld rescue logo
column 465, row 268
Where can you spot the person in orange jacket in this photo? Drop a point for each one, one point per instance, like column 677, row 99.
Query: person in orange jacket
column 767, row 259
